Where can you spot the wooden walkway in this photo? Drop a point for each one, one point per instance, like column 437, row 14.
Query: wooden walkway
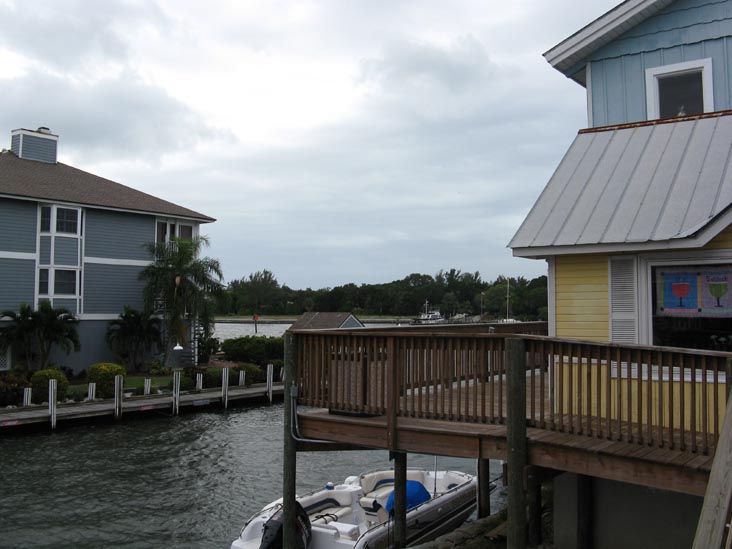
column 38, row 415
column 665, row 468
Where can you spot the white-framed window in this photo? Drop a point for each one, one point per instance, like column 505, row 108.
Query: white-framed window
column 62, row 220
column 680, row 89
column 167, row 229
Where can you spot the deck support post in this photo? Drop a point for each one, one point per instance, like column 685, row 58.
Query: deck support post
column 516, row 438
column 533, row 482
column 728, row 375
column 484, row 487
column 400, row 500
column 289, row 478
column 584, row 512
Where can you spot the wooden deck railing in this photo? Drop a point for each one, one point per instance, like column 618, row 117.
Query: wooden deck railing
column 653, row 396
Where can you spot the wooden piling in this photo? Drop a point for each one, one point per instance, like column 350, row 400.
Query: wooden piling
column 225, row 387
column 516, row 438
column 400, row 500
column 52, row 391
column 484, row 487
column 119, row 382
column 728, row 375
column 176, row 392
column 289, row 477
column 533, row 497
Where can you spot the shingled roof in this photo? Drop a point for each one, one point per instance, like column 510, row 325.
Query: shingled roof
column 322, row 321
column 59, row 182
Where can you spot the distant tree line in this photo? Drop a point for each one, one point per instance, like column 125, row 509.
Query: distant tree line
column 452, row 291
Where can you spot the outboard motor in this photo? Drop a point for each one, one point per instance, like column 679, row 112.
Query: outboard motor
column 272, row 534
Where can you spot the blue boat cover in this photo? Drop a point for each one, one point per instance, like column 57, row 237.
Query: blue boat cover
column 416, row 494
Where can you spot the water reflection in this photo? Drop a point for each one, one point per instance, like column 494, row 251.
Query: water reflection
column 184, row 482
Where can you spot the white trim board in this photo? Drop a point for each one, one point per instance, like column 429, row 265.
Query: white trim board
column 18, row 255
column 114, row 261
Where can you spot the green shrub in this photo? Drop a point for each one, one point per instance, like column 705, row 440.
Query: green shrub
column 254, row 349
column 103, row 374
column 274, row 349
column 156, row 368
column 245, row 349
column 39, row 384
column 11, row 388
column 254, row 374
column 186, row 383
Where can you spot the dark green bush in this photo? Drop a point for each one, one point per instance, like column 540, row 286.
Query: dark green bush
column 186, row 383
column 39, row 384
column 274, row 349
column 11, row 388
column 245, row 349
column 254, row 349
column 254, row 374
column 103, row 374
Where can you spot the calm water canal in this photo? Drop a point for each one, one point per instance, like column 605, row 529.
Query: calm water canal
column 184, row 482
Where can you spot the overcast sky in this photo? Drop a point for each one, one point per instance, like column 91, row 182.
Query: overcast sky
column 334, row 141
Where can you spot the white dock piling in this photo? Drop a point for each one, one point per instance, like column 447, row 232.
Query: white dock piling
column 270, row 374
column 199, row 382
column 91, row 393
column 147, row 386
column 119, row 382
column 225, row 387
column 52, row 390
column 27, row 396
column 176, row 392
column 242, row 378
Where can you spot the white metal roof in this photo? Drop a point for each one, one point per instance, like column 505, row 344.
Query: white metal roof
column 652, row 185
column 601, row 31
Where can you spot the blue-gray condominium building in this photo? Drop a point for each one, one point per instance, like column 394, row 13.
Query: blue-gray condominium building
column 76, row 239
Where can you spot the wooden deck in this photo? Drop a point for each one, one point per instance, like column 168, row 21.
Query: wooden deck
column 38, row 415
column 643, row 415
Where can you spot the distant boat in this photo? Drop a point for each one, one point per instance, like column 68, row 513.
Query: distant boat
column 429, row 316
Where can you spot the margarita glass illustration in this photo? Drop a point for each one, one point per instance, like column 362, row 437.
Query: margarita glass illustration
column 680, row 290
column 718, row 289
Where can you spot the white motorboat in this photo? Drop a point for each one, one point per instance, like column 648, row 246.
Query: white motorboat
column 355, row 514
column 429, row 316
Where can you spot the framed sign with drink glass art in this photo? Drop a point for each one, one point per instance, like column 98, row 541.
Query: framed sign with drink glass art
column 705, row 291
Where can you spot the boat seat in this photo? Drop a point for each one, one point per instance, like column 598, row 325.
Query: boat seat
column 330, row 514
column 380, row 495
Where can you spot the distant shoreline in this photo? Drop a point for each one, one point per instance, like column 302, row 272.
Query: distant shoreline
column 225, row 320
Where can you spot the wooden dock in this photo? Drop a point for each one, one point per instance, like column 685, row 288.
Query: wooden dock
column 11, row 418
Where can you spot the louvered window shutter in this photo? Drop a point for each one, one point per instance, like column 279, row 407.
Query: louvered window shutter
column 623, row 300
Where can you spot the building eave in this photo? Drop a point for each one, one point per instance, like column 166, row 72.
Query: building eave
column 573, row 50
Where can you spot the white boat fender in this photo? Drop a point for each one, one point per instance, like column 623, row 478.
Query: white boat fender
column 272, row 532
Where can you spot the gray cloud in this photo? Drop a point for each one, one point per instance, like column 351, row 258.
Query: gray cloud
column 112, row 119
column 66, row 34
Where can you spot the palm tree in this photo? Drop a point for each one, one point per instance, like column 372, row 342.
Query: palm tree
column 179, row 284
column 35, row 332
column 132, row 334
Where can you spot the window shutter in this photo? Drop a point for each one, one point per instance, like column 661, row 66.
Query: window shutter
column 623, row 300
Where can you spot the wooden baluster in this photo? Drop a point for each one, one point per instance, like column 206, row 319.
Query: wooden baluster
column 570, row 387
column 661, row 389
column 619, row 384
column 483, row 367
column 542, row 383
column 553, row 382
column 501, row 371
column 451, row 376
column 629, row 393
column 682, row 398
column 649, row 398
column 693, row 418
column 532, row 380
column 715, row 397
column 560, row 385
column 608, row 394
column 704, row 407
column 671, row 416
column 476, row 380
column 590, row 366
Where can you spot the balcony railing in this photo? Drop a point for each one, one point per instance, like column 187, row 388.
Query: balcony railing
column 658, row 397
